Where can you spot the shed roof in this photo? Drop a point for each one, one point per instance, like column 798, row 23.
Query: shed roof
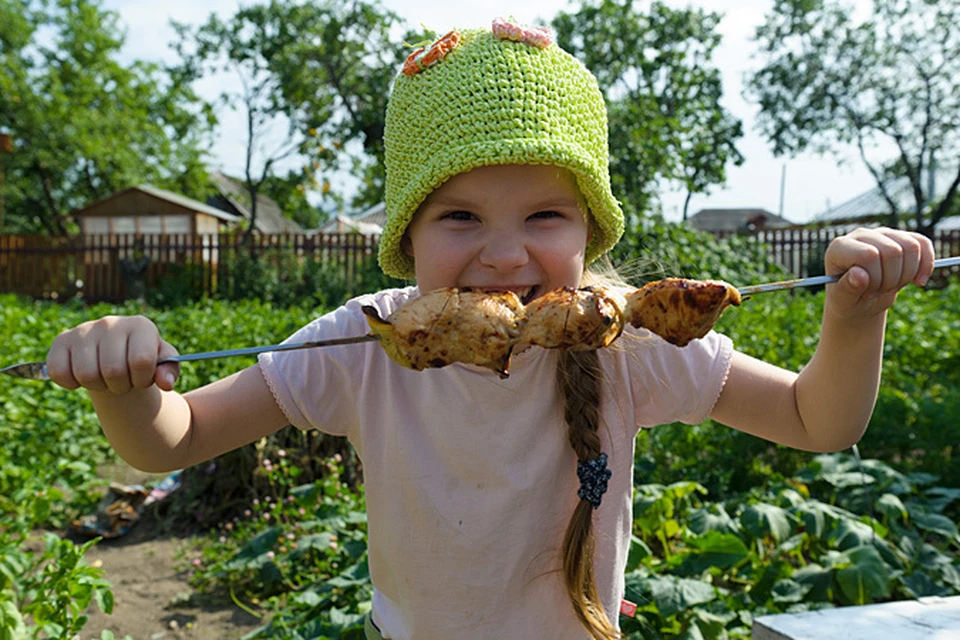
column 370, row 221
column 167, row 196
column 234, row 198
column 377, row 214
column 344, row 224
column 734, row 219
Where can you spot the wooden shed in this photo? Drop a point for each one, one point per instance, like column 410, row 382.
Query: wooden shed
column 148, row 210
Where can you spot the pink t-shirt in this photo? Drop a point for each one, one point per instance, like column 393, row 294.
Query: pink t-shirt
column 470, row 480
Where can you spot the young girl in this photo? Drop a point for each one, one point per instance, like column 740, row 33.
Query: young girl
column 499, row 508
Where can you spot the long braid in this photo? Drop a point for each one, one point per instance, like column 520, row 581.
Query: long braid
column 578, row 379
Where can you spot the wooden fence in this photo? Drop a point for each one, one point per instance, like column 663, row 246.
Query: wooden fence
column 113, row 267
column 800, row 250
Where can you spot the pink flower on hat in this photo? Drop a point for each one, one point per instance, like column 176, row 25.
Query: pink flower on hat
column 539, row 37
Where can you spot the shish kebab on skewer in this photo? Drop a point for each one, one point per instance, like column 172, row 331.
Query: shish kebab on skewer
column 676, row 309
column 483, row 327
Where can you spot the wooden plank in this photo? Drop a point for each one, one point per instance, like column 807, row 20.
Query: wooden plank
column 931, row 618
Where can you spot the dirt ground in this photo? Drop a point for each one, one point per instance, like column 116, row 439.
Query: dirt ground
column 151, row 598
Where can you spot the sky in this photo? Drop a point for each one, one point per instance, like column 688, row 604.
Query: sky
column 808, row 184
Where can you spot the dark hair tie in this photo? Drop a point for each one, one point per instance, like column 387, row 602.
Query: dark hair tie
column 593, row 476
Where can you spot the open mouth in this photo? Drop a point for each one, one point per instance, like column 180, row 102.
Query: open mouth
column 526, row 294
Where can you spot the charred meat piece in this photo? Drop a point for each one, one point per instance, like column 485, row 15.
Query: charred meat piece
column 680, row 310
column 452, row 325
column 575, row 319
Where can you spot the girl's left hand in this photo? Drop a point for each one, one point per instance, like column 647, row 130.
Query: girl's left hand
column 878, row 263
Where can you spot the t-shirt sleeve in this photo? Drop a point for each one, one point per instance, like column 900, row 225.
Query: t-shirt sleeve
column 678, row 384
column 319, row 388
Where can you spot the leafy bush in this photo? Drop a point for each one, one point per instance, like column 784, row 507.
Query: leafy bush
column 838, row 533
column 277, row 277
column 50, row 446
column 44, row 589
column 50, row 436
column 779, row 532
column 652, row 248
column 298, row 555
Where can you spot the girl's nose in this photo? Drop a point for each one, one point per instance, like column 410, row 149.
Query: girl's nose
column 504, row 251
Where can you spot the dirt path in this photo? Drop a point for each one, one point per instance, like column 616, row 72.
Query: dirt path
column 140, row 565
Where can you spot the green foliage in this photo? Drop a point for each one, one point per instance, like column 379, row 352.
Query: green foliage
column 44, row 595
column 726, row 526
column 837, row 533
column 663, row 93
column 320, row 70
column 829, row 81
column 652, row 248
column 915, row 419
column 83, row 124
column 298, row 555
column 279, row 278
column 45, row 584
column 50, row 446
column 913, row 423
column 50, row 436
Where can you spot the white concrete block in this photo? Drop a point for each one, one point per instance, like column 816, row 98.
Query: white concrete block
column 924, row 619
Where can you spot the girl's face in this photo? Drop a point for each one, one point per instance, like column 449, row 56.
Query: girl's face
column 517, row 227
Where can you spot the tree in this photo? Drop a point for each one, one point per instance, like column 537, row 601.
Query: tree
column 339, row 74
column 320, row 72
column 892, row 79
column 290, row 194
column 84, row 125
column 663, row 94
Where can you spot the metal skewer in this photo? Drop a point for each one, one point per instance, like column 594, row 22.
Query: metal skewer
column 38, row 370
column 818, row 280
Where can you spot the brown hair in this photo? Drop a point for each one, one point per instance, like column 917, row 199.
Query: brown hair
column 579, row 380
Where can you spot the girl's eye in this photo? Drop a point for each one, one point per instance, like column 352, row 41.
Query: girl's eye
column 459, row 216
column 546, row 215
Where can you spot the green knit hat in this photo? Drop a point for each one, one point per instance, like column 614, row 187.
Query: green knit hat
column 475, row 99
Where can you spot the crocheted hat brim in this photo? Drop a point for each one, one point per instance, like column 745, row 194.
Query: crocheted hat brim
column 607, row 227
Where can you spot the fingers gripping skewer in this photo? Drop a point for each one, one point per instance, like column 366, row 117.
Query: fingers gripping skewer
column 38, row 370
column 821, row 280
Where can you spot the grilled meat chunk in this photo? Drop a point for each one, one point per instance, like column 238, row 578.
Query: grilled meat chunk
column 452, row 325
column 482, row 327
column 680, row 310
column 575, row 319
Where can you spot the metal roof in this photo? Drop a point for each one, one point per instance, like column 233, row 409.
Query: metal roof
column 872, row 204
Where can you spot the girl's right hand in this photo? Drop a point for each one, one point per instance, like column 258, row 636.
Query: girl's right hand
column 115, row 354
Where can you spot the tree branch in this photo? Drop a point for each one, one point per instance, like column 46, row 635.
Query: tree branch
column 948, row 199
column 914, row 175
column 881, row 183
column 57, row 223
